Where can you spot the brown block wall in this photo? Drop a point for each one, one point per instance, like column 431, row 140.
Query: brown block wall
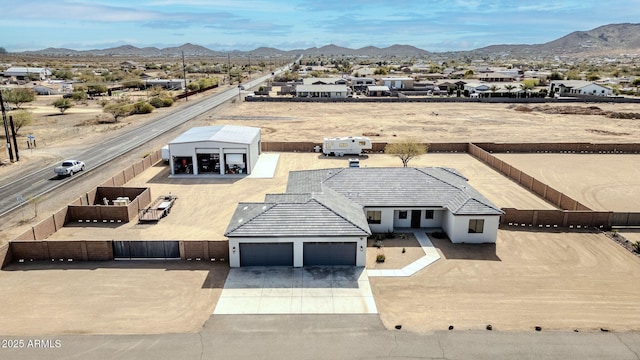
column 99, row 250
column 67, row 250
column 44, row 228
column 27, row 235
column 138, row 168
column 82, row 250
column 118, row 179
column 5, row 256
column 550, row 217
column 205, row 250
column 128, row 173
column 32, row 250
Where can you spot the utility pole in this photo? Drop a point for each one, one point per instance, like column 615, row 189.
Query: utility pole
column 15, row 141
column 229, row 67
column 184, row 74
column 6, row 128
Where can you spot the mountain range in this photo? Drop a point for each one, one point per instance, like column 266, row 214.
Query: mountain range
column 602, row 40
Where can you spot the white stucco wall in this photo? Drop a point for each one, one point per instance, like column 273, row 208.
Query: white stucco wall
column 386, row 223
column 189, row 150
column 391, row 220
column 457, row 228
column 298, row 247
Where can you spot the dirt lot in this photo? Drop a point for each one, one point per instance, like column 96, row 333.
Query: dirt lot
column 205, row 205
column 558, row 281
column 108, row 297
column 454, row 122
column 601, row 182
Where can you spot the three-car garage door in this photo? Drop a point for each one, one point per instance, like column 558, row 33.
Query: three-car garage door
column 266, row 254
column 329, row 253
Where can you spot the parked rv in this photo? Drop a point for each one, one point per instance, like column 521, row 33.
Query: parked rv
column 351, row 145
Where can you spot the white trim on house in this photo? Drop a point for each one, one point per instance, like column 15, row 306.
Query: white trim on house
column 352, row 203
column 298, row 246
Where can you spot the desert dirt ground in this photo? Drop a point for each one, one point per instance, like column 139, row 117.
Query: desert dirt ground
column 601, row 182
column 205, row 205
column 398, row 251
column 559, row 281
column 554, row 280
column 108, row 297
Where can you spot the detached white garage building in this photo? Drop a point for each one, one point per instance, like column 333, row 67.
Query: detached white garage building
column 326, row 215
column 215, row 150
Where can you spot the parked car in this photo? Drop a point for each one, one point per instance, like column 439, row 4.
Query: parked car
column 69, row 167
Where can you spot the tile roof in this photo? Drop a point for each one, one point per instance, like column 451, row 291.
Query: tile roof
column 298, row 215
column 397, row 187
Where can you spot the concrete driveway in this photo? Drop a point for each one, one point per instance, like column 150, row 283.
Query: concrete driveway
column 285, row 290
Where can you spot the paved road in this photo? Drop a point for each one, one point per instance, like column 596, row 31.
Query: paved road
column 41, row 181
column 326, row 337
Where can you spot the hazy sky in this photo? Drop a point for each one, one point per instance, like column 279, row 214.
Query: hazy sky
column 299, row 24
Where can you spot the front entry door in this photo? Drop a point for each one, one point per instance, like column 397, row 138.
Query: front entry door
column 415, row 218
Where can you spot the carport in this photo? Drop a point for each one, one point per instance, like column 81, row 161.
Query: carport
column 266, row 254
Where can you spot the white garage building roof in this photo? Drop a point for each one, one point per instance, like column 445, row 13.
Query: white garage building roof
column 219, row 133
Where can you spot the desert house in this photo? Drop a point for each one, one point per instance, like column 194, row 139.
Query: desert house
column 578, row 87
column 324, row 81
column 215, row 150
column 326, row 215
column 398, row 83
column 27, row 73
column 322, row 91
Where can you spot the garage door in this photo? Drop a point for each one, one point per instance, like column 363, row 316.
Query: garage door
column 333, row 253
column 146, row 249
column 266, row 254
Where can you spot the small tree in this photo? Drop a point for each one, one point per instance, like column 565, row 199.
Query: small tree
column 509, row 88
column 406, row 150
column 493, row 89
column 636, row 83
column 555, row 76
column 79, row 95
column 62, row 104
column 118, row 109
column 21, row 118
column 19, row 96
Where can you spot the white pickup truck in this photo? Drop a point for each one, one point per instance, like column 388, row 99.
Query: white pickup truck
column 69, row 167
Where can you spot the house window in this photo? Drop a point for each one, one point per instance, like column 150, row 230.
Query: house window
column 402, row 214
column 476, row 226
column 374, row 217
column 428, row 214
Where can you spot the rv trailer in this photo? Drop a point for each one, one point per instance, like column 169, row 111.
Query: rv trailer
column 351, row 145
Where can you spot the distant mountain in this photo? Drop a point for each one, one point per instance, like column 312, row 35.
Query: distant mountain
column 607, row 38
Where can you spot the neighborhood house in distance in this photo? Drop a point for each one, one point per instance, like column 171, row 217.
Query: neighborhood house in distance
column 326, row 215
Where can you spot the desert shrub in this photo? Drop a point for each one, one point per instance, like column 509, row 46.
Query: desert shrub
column 79, row 95
column 523, row 108
column 142, row 107
column 380, row 258
column 636, row 246
column 159, row 102
column 193, row 86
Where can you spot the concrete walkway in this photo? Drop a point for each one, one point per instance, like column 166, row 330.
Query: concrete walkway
column 265, row 166
column 286, row 290
column 431, row 255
